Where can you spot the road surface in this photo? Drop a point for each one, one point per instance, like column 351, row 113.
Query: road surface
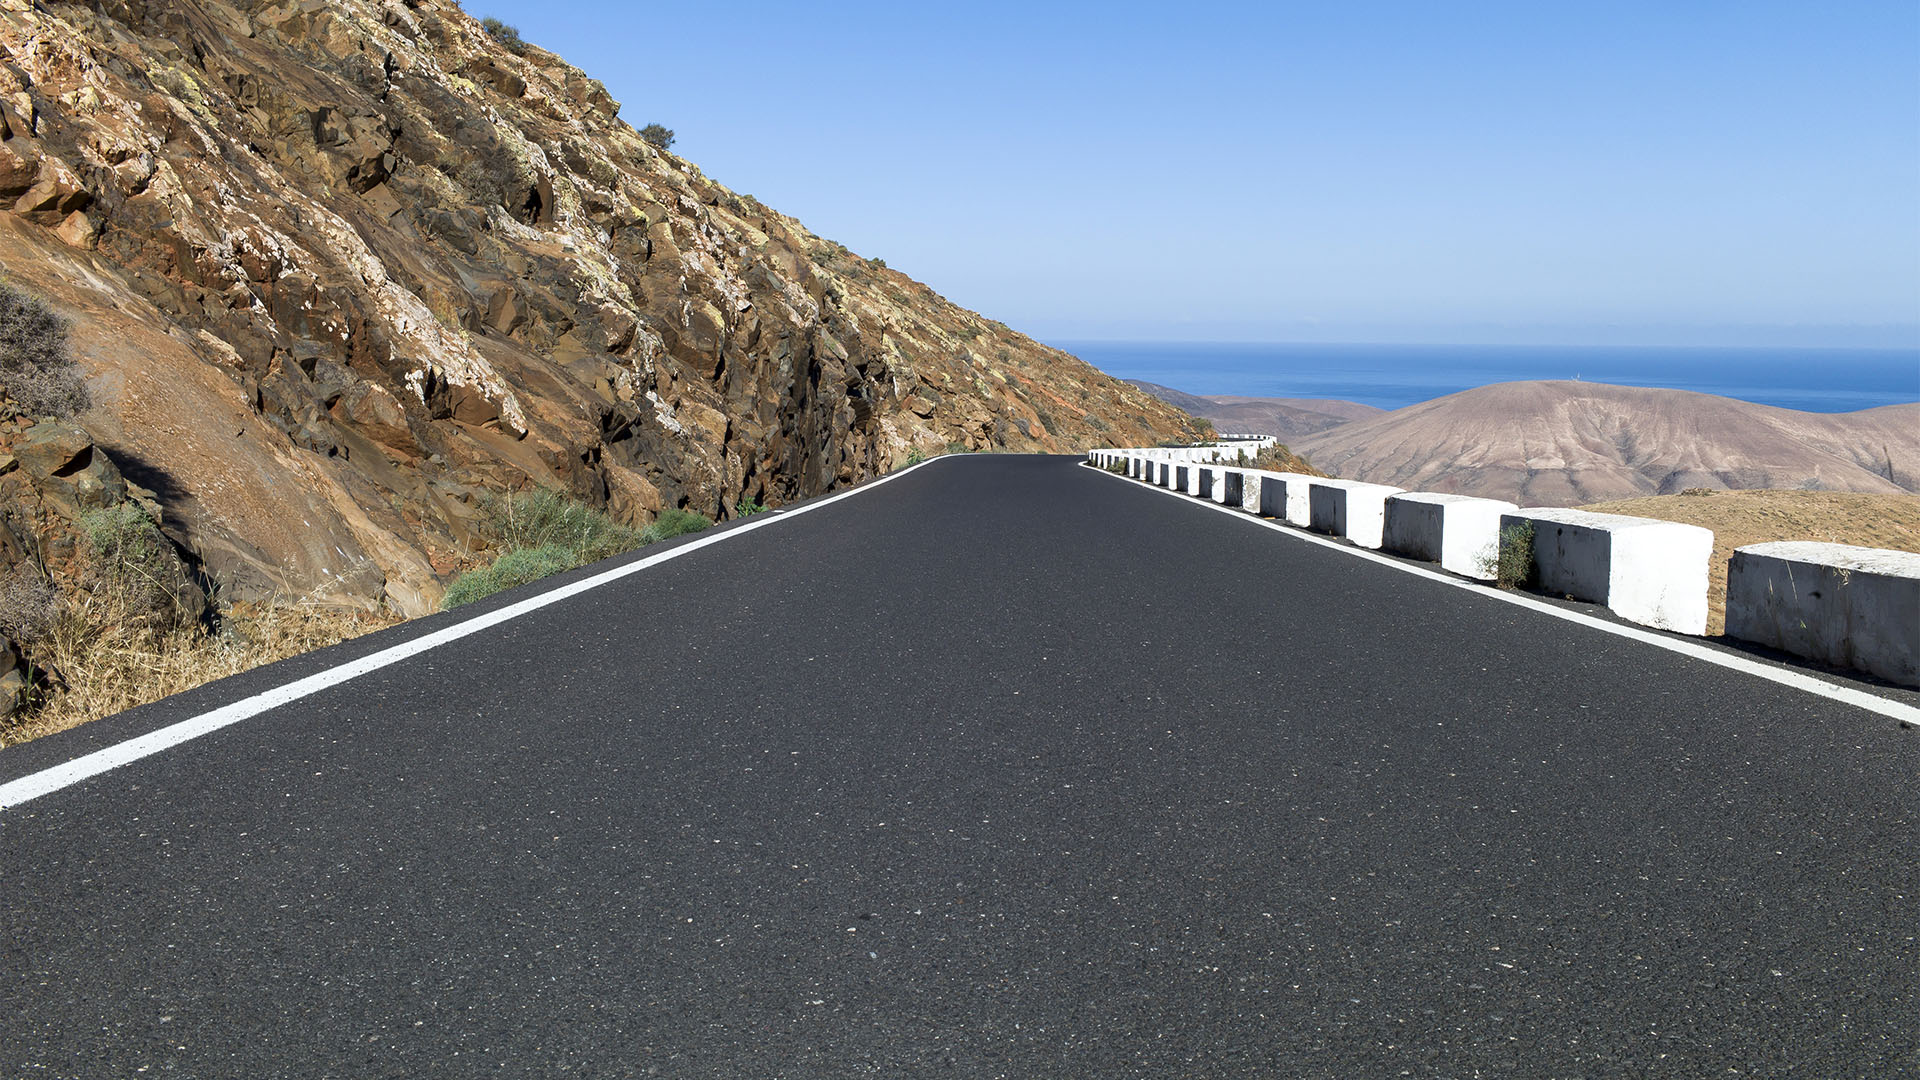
column 1003, row 768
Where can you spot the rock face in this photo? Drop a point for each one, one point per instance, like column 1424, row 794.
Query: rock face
column 337, row 268
column 1571, row 443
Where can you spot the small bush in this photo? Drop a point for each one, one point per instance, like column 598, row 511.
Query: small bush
column 30, row 607
column 547, row 518
column 877, row 264
column 517, row 567
column 136, row 563
column 749, row 507
column 915, row 457
column 672, row 523
column 545, row 532
column 36, row 369
column 1513, row 565
column 506, row 35
column 958, row 448
column 657, row 136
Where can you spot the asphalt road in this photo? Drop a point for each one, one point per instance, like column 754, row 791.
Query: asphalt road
column 1005, row 768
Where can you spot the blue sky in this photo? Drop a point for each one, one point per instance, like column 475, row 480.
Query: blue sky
column 1617, row 173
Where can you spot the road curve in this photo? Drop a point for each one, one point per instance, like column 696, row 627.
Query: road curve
column 1004, row 768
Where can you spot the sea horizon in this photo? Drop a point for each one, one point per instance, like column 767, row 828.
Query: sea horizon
column 1827, row 379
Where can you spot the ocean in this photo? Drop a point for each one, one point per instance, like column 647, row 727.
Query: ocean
column 1392, row 376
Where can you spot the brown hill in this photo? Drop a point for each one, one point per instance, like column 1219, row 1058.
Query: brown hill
column 1571, row 443
column 1739, row 518
column 1285, row 417
column 339, row 268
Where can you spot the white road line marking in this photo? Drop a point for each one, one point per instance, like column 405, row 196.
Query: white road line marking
column 1906, row 714
column 47, row 781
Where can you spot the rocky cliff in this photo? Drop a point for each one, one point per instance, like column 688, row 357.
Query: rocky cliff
column 337, row 269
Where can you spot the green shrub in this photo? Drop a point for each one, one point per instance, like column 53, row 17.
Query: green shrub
column 958, row 448
column 139, row 566
column 545, row 532
column 36, row 369
column 749, row 507
column 504, row 34
column 657, row 136
column 545, row 518
column 516, row 567
column 877, row 264
column 915, row 457
column 1513, row 564
column 672, row 523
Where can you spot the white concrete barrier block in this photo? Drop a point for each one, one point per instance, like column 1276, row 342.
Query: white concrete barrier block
column 1285, row 496
column 1203, row 480
column 1459, row 532
column 1250, row 490
column 1349, row 508
column 1646, row 571
column 1226, row 487
column 1182, row 476
column 1850, row 607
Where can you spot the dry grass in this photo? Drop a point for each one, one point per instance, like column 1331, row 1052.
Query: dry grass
column 1739, row 518
column 111, row 661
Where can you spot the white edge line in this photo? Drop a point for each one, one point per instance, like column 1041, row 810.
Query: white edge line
column 50, row 780
column 1906, row 714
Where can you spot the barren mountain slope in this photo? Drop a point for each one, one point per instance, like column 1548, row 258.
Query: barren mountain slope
column 1285, row 417
column 1569, row 443
column 338, row 268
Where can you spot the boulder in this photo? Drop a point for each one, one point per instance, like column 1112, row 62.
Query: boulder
column 13, row 678
column 70, row 472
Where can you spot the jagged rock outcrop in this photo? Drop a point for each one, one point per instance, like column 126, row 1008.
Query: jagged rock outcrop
column 337, row 268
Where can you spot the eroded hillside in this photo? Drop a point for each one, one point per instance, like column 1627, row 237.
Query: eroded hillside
column 339, row 268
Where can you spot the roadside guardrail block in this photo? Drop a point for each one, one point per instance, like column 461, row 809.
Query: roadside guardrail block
column 1460, row 532
column 1850, row 607
column 1349, row 508
column 1650, row 572
column 1284, row 496
column 1227, row 489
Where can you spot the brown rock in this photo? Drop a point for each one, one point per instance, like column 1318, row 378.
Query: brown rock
column 377, row 414
column 70, row 472
column 13, row 678
column 18, row 173
column 471, row 406
column 505, row 312
column 77, row 231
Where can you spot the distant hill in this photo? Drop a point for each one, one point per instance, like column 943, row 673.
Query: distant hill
column 1285, row 417
column 1571, row 443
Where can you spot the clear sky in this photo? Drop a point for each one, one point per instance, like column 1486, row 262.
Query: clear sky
column 1677, row 172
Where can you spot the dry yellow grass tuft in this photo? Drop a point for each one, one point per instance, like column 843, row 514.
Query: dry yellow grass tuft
column 111, row 662
column 1739, row 518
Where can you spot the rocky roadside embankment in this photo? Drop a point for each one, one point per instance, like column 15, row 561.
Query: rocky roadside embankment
column 338, row 269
